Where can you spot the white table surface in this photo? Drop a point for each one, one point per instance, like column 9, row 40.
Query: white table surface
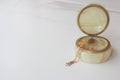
column 36, row 41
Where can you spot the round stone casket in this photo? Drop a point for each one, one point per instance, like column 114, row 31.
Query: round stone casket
column 93, row 20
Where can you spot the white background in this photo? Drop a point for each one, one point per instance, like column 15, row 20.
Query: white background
column 36, row 40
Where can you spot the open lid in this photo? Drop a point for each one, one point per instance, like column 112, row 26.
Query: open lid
column 93, row 19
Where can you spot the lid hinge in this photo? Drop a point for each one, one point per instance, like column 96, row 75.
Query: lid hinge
column 92, row 35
